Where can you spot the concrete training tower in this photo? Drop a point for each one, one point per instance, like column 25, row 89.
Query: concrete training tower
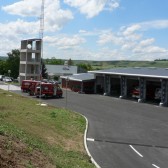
column 30, row 59
column 31, row 54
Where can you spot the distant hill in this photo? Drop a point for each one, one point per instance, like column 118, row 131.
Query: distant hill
column 118, row 64
column 96, row 65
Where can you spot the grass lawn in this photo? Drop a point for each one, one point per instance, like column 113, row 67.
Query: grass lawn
column 56, row 133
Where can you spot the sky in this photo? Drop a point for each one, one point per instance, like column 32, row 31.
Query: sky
column 88, row 29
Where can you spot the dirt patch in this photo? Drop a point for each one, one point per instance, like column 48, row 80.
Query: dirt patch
column 15, row 154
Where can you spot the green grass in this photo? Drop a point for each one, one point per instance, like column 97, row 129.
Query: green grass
column 57, row 132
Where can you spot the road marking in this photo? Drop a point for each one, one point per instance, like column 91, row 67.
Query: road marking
column 155, row 166
column 90, row 139
column 135, row 150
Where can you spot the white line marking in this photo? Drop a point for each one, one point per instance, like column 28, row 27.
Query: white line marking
column 155, row 166
column 90, row 139
column 135, row 150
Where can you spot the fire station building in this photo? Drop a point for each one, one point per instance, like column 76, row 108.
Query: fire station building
column 146, row 84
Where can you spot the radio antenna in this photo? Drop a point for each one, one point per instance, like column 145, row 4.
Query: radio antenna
column 41, row 20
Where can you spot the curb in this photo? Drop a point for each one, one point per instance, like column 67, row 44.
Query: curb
column 85, row 144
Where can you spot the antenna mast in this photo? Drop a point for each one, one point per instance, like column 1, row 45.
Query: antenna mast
column 41, row 37
column 41, row 34
column 41, row 20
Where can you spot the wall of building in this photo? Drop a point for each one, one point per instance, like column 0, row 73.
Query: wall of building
column 77, row 86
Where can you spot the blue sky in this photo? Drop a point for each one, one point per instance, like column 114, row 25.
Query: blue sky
column 88, row 29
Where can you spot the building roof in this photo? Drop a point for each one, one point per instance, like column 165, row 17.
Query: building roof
column 80, row 77
column 151, row 72
column 61, row 69
column 33, row 39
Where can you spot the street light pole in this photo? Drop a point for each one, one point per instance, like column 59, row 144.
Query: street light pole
column 67, row 79
column 9, row 71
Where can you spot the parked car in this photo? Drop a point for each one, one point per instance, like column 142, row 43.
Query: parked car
column 1, row 77
column 7, row 79
column 158, row 92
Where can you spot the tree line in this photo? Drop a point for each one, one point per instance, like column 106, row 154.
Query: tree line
column 54, row 61
column 12, row 63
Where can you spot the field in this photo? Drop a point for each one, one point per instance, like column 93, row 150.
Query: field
column 119, row 64
column 35, row 136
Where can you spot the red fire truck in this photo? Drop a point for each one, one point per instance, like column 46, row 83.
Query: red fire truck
column 29, row 85
column 33, row 87
column 46, row 90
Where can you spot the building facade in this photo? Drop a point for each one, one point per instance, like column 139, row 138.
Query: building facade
column 81, row 83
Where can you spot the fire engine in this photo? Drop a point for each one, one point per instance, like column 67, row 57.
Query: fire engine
column 48, row 90
column 33, row 87
column 29, row 85
column 149, row 93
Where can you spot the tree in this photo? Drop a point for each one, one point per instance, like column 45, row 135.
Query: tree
column 86, row 67
column 13, row 62
column 54, row 61
column 44, row 70
column 70, row 62
column 2, row 67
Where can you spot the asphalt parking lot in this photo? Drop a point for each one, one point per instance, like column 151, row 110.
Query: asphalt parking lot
column 122, row 133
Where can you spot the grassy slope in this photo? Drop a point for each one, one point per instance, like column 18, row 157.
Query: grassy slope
column 56, row 132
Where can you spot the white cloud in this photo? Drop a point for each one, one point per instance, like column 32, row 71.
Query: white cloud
column 13, row 32
column 132, row 32
column 113, row 4
column 155, row 24
column 129, row 42
column 65, row 42
column 147, row 42
column 149, row 49
column 131, row 29
column 6, row 45
column 129, row 45
column 54, row 17
column 19, row 27
column 109, row 37
column 92, row 8
column 24, row 8
column 28, row 23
